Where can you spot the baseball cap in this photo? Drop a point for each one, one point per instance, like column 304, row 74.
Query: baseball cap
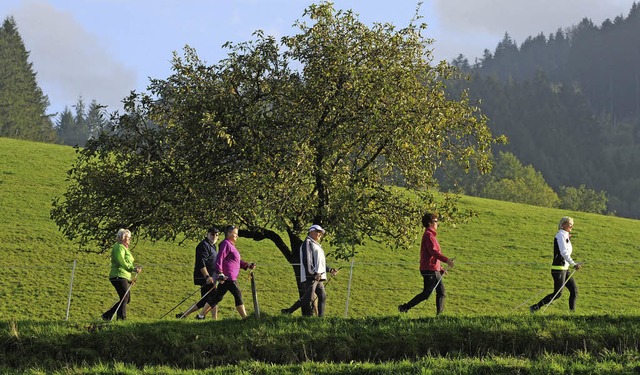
column 316, row 227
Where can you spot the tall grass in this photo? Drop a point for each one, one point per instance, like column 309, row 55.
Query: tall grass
column 285, row 341
column 502, row 266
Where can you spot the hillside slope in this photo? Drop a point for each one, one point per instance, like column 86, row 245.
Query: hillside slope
column 502, row 255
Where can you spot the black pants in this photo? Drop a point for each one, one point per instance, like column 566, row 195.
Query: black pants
column 223, row 288
column 312, row 287
column 431, row 280
column 204, row 289
column 559, row 278
column 122, row 286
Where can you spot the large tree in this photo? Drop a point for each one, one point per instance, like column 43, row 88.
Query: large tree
column 318, row 128
column 22, row 104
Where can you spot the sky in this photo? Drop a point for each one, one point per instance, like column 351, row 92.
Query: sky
column 103, row 49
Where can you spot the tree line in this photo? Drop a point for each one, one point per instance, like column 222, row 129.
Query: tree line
column 569, row 104
column 23, row 105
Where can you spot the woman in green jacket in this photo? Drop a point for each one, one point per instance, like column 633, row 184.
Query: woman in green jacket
column 120, row 274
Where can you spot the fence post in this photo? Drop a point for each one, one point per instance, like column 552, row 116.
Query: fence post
column 346, row 310
column 73, row 272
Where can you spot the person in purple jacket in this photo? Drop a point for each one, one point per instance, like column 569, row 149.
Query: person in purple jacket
column 228, row 264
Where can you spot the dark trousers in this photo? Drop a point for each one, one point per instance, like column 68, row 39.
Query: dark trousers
column 312, row 287
column 204, row 289
column 559, row 278
column 223, row 288
column 431, row 280
column 122, row 286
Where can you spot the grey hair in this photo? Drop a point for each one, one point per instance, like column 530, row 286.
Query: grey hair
column 122, row 234
column 565, row 219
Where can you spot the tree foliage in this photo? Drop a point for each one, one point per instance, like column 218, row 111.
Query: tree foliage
column 22, row 104
column 508, row 181
column 583, row 199
column 314, row 129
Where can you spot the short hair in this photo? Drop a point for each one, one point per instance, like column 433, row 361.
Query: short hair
column 122, row 234
column 213, row 230
column 565, row 219
column 428, row 218
column 228, row 229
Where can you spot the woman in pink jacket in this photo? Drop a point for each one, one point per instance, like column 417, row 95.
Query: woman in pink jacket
column 228, row 263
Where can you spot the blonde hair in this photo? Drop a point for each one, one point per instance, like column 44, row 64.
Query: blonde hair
column 565, row 219
column 122, row 234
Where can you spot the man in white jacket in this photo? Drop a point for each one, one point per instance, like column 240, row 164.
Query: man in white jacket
column 313, row 273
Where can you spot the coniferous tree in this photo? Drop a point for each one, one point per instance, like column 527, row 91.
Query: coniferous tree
column 22, row 103
column 65, row 125
column 96, row 119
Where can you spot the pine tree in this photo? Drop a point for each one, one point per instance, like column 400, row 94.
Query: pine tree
column 22, row 103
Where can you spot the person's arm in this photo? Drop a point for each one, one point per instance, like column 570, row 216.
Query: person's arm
column 201, row 258
column 434, row 248
column 307, row 258
column 120, row 260
column 222, row 253
column 563, row 246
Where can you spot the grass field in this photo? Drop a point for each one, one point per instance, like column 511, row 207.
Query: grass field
column 502, row 262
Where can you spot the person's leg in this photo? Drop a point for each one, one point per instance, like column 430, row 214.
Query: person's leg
column 573, row 293
column 303, row 302
column 558, row 281
column 237, row 296
column 322, row 298
column 121, row 285
column 429, row 281
column 214, row 312
column 202, row 303
column 441, row 294
column 216, row 296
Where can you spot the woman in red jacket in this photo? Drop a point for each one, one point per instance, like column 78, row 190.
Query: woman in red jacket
column 430, row 268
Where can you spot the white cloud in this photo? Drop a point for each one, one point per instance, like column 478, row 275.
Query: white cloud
column 69, row 61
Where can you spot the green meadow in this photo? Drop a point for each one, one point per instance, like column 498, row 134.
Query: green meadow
column 53, row 293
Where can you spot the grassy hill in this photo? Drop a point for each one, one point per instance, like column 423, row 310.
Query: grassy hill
column 502, row 256
column 502, row 266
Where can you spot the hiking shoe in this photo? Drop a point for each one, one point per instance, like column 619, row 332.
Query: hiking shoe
column 285, row 311
column 402, row 309
column 533, row 309
column 104, row 317
column 200, row 317
column 179, row 315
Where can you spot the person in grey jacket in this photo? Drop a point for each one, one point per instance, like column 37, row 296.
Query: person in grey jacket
column 313, row 273
column 203, row 273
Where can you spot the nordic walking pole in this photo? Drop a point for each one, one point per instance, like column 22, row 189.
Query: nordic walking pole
column 126, row 294
column 254, row 294
column 441, row 277
column 559, row 290
column 333, row 276
column 201, row 298
column 527, row 301
column 181, row 302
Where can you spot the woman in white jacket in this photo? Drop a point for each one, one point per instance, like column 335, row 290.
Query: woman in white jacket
column 562, row 250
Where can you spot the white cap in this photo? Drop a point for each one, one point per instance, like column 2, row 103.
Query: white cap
column 316, row 227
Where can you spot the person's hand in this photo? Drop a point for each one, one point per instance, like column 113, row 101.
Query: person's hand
column 138, row 269
column 443, row 272
column 318, row 277
column 252, row 265
column 450, row 262
column 209, row 279
column 333, row 271
column 578, row 265
column 221, row 278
